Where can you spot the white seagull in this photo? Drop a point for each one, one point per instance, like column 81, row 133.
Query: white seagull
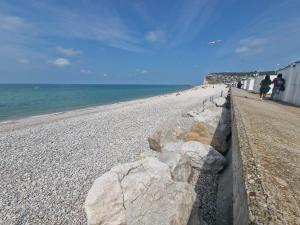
column 215, row 42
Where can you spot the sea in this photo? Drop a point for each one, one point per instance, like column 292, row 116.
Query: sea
column 23, row 100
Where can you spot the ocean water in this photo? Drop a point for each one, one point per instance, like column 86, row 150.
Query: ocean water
column 22, row 100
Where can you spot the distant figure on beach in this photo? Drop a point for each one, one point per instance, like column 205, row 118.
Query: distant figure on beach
column 264, row 87
column 239, row 85
column 279, row 85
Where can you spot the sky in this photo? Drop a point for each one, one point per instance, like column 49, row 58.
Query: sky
column 143, row 42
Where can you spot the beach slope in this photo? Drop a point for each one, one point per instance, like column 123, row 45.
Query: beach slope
column 48, row 162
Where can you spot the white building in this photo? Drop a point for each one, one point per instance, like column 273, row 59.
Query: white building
column 291, row 74
column 245, row 83
column 250, row 84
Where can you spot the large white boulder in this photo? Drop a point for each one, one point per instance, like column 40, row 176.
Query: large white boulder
column 160, row 137
column 211, row 117
column 155, row 140
column 220, row 102
column 203, row 157
column 219, row 140
column 179, row 164
column 104, row 203
column 218, row 121
column 149, row 153
column 141, row 192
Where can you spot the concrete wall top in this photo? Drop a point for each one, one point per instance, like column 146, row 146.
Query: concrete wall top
column 245, row 208
column 266, row 171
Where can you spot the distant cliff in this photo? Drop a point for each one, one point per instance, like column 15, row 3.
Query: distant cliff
column 232, row 77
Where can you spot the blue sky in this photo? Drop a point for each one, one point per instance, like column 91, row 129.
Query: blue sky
column 149, row 42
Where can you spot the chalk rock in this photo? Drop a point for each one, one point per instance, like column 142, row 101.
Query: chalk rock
column 155, row 141
column 162, row 136
column 199, row 132
column 179, row 164
column 203, row 157
column 146, row 154
column 220, row 102
column 210, row 117
column 219, row 141
column 218, row 123
column 222, row 132
column 104, row 203
column 217, row 120
column 146, row 192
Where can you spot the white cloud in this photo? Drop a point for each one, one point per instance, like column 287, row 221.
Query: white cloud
column 85, row 71
column 60, row 62
column 192, row 17
column 142, row 71
column 23, row 61
column 242, row 49
column 253, row 41
column 103, row 25
column 251, row 45
column 12, row 23
column 156, row 36
column 98, row 22
column 69, row 51
column 105, row 75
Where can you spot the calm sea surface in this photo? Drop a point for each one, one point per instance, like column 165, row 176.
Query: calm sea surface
column 22, row 100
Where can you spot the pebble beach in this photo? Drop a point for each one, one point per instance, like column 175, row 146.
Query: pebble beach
column 49, row 162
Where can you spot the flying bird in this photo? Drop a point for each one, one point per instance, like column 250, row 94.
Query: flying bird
column 215, row 42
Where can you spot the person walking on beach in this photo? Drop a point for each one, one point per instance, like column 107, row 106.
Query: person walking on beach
column 279, row 85
column 264, row 87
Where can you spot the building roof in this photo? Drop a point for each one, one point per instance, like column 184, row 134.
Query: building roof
column 288, row 66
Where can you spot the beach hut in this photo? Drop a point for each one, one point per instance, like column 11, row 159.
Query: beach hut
column 291, row 74
column 258, row 79
column 250, row 84
column 245, row 83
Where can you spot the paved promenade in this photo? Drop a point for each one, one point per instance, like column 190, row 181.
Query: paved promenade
column 272, row 162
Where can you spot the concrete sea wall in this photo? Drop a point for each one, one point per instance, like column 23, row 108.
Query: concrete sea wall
column 249, row 199
column 265, row 160
column 240, row 203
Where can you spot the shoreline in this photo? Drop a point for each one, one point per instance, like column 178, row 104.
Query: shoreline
column 88, row 107
column 17, row 123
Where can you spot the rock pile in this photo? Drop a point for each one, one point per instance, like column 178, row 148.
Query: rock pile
column 159, row 189
column 214, row 126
